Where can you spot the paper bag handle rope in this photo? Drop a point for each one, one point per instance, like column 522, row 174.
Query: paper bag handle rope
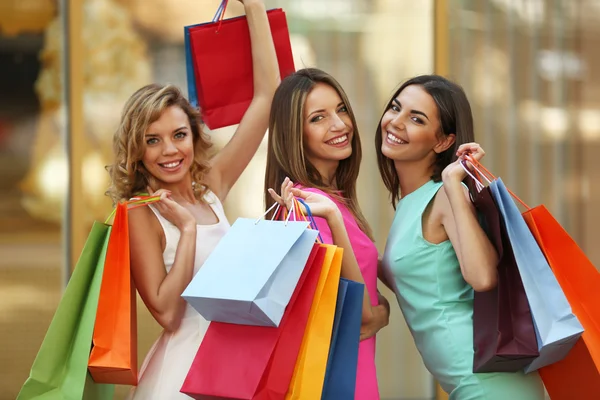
column 275, row 214
column 135, row 202
column 296, row 211
column 487, row 175
column 310, row 217
column 220, row 14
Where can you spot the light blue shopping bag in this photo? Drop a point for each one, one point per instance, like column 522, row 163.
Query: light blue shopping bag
column 557, row 328
column 251, row 274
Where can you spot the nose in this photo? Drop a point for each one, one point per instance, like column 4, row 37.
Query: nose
column 169, row 148
column 337, row 124
column 398, row 122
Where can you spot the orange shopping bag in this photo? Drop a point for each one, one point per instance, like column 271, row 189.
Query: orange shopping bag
column 578, row 375
column 113, row 358
column 309, row 372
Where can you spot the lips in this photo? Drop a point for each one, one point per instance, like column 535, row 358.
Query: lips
column 394, row 139
column 171, row 165
column 338, row 140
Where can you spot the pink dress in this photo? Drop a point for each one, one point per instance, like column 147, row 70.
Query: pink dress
column 367, row 257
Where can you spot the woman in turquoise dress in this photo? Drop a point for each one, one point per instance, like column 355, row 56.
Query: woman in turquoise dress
column 436, row 253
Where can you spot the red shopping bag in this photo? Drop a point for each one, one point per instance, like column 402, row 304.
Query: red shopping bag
column 254, row 362
column 276, row 380
column 221, row 58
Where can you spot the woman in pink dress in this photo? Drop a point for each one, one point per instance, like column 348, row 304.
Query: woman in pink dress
column 314, row 144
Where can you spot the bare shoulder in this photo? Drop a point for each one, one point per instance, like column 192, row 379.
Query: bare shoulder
column 441, row 207
column 144, row 227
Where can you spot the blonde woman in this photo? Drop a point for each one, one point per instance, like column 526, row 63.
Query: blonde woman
column 160, row 148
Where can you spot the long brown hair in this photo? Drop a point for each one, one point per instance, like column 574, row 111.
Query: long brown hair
column 128, row 174
column 285, row 154
column 455, row 117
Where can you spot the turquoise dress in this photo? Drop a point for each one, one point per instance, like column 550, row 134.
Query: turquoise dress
column 437, row 304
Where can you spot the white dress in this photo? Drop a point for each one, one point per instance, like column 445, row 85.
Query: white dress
column 169, row 360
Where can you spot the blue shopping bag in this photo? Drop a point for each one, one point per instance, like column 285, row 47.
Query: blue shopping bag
column 251, row 274
column 340, row 375
column 189, row 60
column 557, row 328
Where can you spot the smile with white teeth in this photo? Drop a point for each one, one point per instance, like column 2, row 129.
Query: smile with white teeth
column 338, row 140
column 395, row 139
column 171, row 164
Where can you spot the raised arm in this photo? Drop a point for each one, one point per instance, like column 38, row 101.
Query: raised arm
column 477, row 256
column 228, row 165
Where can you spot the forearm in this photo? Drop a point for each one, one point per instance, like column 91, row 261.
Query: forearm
column 350, row 268
column 178, row 278
column 476, row 254
column 264, row 58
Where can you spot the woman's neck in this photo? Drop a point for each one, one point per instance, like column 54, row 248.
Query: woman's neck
column 412, row 175
column 182, row 191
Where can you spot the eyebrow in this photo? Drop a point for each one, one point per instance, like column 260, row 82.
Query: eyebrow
column 175, row 131
column 411, row 111
column 322, row 110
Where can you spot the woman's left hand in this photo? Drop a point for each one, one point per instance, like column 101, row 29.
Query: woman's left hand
column 455, row 172
column 381, row 318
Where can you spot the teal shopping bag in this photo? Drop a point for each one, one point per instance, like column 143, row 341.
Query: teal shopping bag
column 60, row 369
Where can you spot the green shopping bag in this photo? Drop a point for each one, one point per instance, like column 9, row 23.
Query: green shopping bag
column 60, row 369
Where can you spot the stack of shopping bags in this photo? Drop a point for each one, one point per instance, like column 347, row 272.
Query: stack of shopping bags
column 97, row 312
column 284, row 325
column 544, row 314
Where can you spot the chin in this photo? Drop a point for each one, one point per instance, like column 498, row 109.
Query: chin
column 344, row 154
column 387, row 152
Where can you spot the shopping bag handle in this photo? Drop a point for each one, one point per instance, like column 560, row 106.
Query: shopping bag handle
column 276, row 214
column 486, row 174
column 310, row 217
column 135, row 202
column 220, row 14
column 296, row 210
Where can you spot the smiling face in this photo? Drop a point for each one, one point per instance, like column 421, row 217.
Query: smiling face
column 328, row 128
column 169, row 151
column 410, row 127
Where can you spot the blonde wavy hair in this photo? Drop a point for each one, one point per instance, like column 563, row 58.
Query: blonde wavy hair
column 128, row 175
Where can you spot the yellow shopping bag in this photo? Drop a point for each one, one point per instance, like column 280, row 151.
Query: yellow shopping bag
column 309, row 373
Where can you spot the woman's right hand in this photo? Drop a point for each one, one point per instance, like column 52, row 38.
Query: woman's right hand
column 173, row 212
column 320, row 205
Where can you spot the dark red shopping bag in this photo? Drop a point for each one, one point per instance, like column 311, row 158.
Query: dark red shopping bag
column 254, row 362
column 221, row 58
column 503, row 332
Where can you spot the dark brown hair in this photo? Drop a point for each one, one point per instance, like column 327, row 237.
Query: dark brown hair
column 455, row 118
